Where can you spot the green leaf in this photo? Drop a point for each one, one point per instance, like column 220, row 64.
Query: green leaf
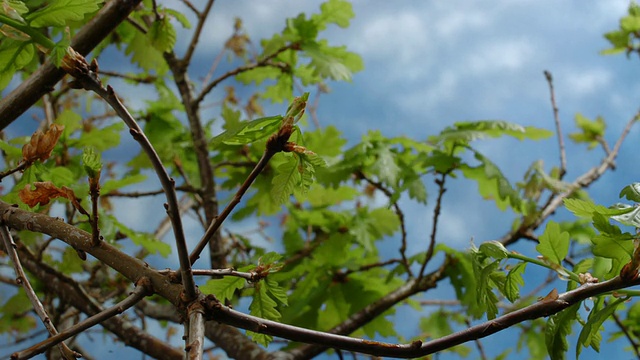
column 276, row 291
column 182, row 19
column 286, row 178
column 71, row 262
column 10, row 151
column 631, row 218
column 116, row 184
column 263, row 306
column 631, row 192
column 162, row 35
column 590, row 334
column 586, row 208
column 334, row 63
column 143, row 53
column 591, row 131
column 337, row 12
column 100, row 139
column 492, row 184
column 493, row 249
column 14, row 55
column 249, row 131
column 630, row 23
column 223, row 289
column 92, row 162
column 385, row 165
column 60, row 12
column 145, row 240
column 554, row 245
column 558, row 330
column 13, row 9
column 485, row 295
column 280, row 91
column 514, row 282
column 469, row 131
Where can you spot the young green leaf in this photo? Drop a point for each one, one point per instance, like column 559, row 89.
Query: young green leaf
column 493, row 249
column 162, row 35
column 92, row 162
column 558, row 330
column 224, row 288
column 554, row 244
column 286, row 178
column 339, row 12
column 263, row 306
column 590, row 334
column 514, row 282
column 58, row 13
column 249, row 131
column 631, row 192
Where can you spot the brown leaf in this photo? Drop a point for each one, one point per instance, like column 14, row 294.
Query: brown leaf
column 41, row 145
column 551, row 296
column 45, row 192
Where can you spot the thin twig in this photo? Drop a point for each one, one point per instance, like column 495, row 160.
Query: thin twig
column 202, row 17
column 90, row 81
column 371, row 266
column 556, row 119
column 434, row 228
column 147, row 79
column 137, row 194
column 266, row 61
column 10, row 247
column 625, row 331
column 215, row 225
column 191, row 7
column 213, row 68
column 582, row 181
column 219, row 273
column 142, row 289
column 399, row 214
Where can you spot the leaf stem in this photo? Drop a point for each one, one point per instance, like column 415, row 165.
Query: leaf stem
column 573, row 276
column 33, row 33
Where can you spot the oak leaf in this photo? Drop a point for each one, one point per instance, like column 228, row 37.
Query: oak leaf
column 41, row 145
column 46, row 191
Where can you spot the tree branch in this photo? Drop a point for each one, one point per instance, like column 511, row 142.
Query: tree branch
column 130, row 267
column 71, row 293
column 556, row 119
column 143, row 288
column 10, row 247
column 43, row 79
column 540, row 309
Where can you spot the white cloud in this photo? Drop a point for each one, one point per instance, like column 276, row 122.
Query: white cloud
column 394, row 38
column 587, row 81
column 505, row 55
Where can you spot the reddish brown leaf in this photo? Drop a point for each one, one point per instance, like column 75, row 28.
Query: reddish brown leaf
column 41, row 145
column 45, row 192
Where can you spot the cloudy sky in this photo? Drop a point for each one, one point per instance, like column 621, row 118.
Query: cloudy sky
column 430, row 63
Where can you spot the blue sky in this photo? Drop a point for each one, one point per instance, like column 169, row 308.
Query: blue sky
column 431, row 63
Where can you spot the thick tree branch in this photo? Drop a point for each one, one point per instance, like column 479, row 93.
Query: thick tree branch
column 43, row 80
column 540, row 309
column 130, row 267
